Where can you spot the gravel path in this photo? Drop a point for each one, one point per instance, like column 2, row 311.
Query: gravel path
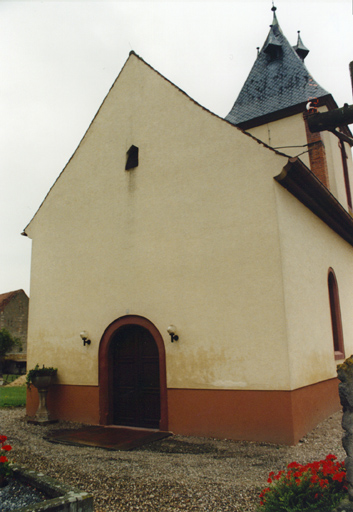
column 176, row 473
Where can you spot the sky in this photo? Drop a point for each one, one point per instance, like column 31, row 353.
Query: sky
column 58, row 60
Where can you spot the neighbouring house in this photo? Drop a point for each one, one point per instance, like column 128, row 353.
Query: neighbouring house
column 14, row 318
column 194, row 273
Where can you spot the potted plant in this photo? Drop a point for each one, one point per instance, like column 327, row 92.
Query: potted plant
column 41, row 378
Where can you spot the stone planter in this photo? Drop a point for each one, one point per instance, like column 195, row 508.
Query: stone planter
column 61, row 497
column 42, row 383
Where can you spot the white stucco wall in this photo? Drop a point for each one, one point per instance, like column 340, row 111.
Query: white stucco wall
column 287, row 135
column 309, row 249
column 189, row 237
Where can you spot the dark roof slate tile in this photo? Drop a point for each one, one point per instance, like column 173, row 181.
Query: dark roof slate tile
column 278, row 80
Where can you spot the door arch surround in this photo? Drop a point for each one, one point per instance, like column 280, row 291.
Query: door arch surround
column 105, row 368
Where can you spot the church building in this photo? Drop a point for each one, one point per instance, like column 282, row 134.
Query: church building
column 195, row 274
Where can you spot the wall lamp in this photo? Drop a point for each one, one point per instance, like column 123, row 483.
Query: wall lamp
column 85, row 338
column 172, row 333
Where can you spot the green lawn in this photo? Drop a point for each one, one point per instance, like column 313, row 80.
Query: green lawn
column 9, row 377
column 12, row 397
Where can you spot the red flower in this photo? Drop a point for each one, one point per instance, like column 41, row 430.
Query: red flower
column 3, row 438
column 7, row 447
column 315, row 466
column 293, row 465
column 339, row 476
column 331, row 457
column 323, row 483
column 3, row 459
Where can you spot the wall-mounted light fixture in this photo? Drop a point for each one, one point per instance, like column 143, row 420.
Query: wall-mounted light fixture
column 85, row 338
column 172, row 331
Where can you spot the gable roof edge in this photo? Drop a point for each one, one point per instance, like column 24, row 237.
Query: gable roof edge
column 132, row 53
column 79, row 144
column 308, row 189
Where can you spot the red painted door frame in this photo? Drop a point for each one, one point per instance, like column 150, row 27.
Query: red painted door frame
column 105, row 369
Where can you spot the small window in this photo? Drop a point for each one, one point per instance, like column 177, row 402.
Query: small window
column 132, row 159
column 336, row 320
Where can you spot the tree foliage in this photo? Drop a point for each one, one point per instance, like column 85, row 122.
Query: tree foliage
column 7, row 341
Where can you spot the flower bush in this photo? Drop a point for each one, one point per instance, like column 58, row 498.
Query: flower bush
column 318, row 486
column 5, row 469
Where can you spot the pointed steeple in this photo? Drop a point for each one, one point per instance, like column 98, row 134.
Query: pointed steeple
column 278, row 81
column 301, row 50
column 275, row 25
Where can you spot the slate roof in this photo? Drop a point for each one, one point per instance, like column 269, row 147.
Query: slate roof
column 278, row 79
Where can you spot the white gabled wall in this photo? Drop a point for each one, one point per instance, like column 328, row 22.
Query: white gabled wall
column 191, row 237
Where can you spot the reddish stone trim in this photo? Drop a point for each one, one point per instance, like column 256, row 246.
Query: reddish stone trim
column 105, row 369
column 336, row 318
column 317, row 154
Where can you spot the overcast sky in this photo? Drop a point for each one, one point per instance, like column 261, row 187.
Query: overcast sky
column 58, row 60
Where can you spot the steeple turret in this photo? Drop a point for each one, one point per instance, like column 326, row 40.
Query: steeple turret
column 277, row 83
column 301, row 50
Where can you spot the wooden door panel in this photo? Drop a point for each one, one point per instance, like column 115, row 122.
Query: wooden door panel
column 136, row 380
column 150, row 375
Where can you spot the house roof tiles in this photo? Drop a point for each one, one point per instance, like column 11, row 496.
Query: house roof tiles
column 5, row 298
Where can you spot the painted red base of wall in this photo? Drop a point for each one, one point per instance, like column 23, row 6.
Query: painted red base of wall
column 281, row 417
column 71, row 403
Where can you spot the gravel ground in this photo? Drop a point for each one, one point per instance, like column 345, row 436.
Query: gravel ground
column 176, row 473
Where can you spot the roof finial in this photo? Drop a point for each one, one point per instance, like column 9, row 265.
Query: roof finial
column 301, row 50
column 274, row 9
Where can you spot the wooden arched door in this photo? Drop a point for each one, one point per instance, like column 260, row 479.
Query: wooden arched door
column 132, row 374
column 135, row 378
